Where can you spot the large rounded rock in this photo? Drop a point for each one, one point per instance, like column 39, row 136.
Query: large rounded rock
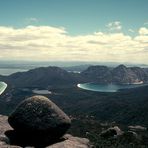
column 39, row 115
column 68, row 140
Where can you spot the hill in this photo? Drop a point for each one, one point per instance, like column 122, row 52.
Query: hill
column 53, row 76
column 126, row 107
column 43, row 76
column 120, row 74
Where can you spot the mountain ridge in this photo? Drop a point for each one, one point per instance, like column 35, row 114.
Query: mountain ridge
column 52, row 75
column 129, row 106
column 120, row 74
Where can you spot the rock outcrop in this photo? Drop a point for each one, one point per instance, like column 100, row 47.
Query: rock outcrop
column 72, row 142
column 111, row 132
column 39, row 123
column 69, row 142
column 39, row 114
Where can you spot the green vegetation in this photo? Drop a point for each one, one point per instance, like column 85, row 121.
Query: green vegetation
column 90, row 109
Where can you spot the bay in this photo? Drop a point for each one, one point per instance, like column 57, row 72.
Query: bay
column 3, row 86
column 108, row 87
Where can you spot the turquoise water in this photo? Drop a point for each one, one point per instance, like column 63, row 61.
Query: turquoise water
column 108, row 87
column 3, row 86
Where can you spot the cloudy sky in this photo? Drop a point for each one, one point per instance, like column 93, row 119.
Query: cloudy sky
column 74, row 30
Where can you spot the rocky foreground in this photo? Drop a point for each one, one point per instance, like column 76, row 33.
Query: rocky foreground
column 38, row 123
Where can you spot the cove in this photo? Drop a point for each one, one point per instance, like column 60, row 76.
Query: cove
column 108, row 87
column 3, row 86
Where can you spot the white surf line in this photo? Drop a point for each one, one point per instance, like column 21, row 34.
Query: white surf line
column 4, row 86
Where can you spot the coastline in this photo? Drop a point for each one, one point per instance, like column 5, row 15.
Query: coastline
column 4, row 86
column 109, row 87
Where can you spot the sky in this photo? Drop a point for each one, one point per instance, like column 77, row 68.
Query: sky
column 74, row 30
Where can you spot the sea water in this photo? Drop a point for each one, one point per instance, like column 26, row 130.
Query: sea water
column 3, row 86
column 108, row 87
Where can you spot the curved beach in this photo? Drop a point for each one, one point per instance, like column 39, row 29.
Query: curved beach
column 3, row 86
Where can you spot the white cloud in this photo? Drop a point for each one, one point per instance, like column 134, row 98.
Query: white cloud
column 143, row 31
column 114, row 26
column 54, row 43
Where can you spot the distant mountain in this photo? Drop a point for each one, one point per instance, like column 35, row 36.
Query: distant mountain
column 47, row 76
column 97, row 74
column 130, row 106
column 78, row 68
column 43, row 76
column 120, row 74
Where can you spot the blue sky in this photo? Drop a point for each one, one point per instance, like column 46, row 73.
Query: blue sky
column 77, row 16
column 74, row 30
